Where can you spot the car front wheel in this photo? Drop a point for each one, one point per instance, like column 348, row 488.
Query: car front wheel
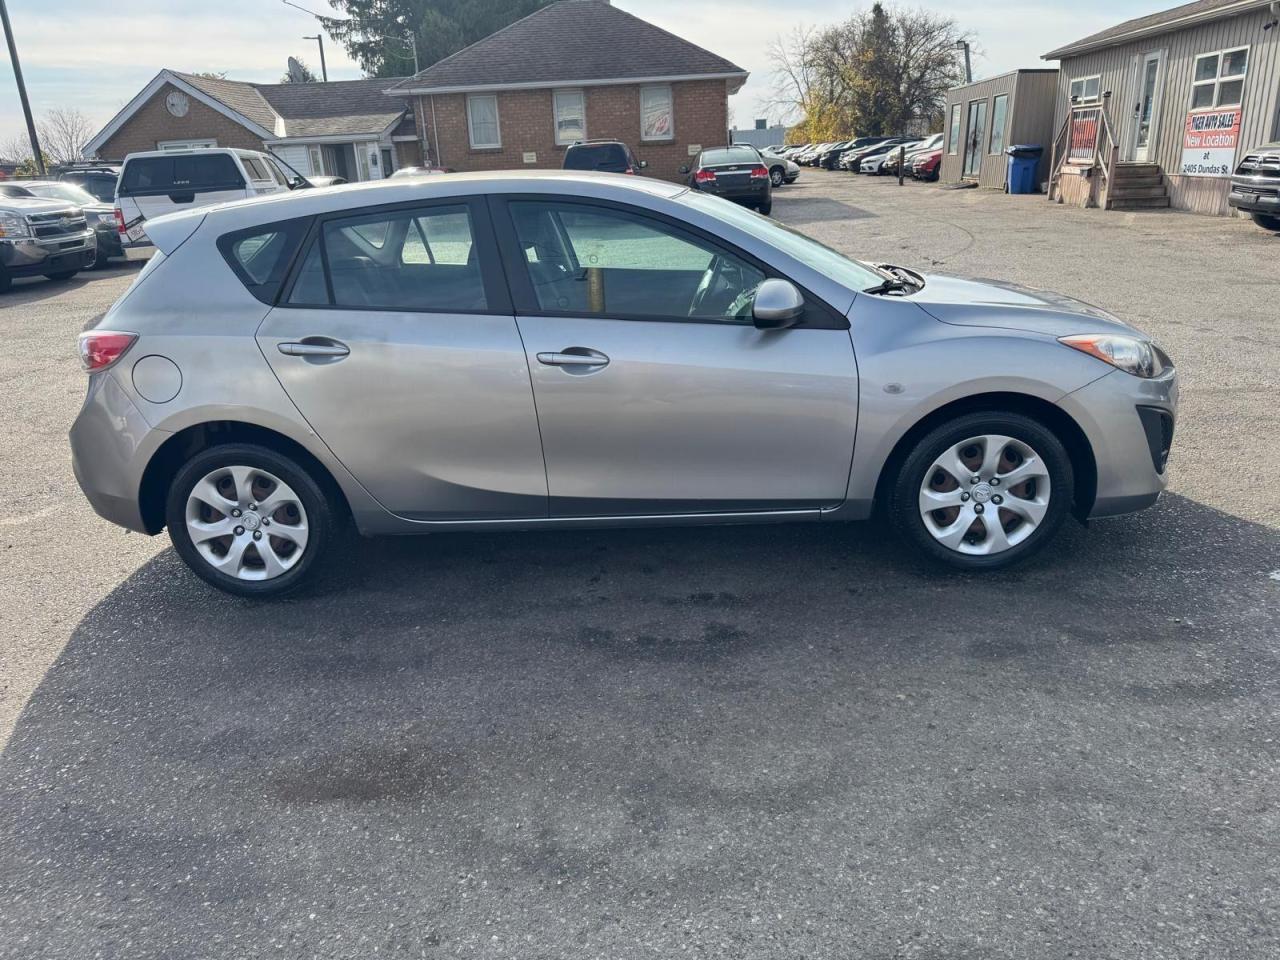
column 248, row 520
column 1266, row 221
column 983, row 491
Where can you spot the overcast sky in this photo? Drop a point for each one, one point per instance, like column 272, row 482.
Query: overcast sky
column 95, row 56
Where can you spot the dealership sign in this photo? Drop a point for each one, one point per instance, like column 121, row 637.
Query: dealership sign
column 1209, row 142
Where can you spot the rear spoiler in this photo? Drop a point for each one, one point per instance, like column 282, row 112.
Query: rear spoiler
column 170, row 231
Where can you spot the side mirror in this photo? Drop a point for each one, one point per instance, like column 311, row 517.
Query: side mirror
column 778, row 305
column 685, row 169
column 642, row 164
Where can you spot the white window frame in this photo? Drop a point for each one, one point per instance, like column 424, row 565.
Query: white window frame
column 1004, row 123
column 955, row 124
column 497, row 123
column 186, row 144
column 671, row 105
column 1216, row 81
column 555, row 113
column 1084, row 85
column 315, row 159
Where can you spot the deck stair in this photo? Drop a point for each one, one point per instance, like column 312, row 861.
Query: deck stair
column 1137, row 186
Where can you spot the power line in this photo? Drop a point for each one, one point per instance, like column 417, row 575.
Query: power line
column 410, row 39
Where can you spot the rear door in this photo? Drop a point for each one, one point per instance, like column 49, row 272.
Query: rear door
column 396, row 340
column 656, row 395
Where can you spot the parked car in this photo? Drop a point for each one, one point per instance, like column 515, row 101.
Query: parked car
column 416, row 171
column 735, row 173
column 602, row 156
column 890, row 165
column 858, row 147
column 99, row 179
column 926, row 165
column 162, row 181
column 781, row 170
column 101, row 217
column 588, row 351
column 829, row 159
column 808, row 155
column 39, row 237
column 326, row 180
column 853, row 160
column 1255, row 186
column 874, row 163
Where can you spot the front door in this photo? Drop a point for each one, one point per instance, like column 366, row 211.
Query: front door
column 1146, row 109
column 977, row 137
column 398, row 345
column 656, row 395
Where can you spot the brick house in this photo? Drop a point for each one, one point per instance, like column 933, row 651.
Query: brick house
column 572, row 70
column 345, row 128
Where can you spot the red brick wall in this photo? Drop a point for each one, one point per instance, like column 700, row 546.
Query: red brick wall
column 153, row 123
column 701, row 109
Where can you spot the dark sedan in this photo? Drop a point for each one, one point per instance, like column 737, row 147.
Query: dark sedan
column 735, row 173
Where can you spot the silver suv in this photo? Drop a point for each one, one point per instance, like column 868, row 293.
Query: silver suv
column 508, row 350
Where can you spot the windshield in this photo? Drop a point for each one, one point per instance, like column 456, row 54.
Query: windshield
column 850, row 273
column 605, row 157
column 63, row 191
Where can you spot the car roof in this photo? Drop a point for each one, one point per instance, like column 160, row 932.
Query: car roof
column 236, row 151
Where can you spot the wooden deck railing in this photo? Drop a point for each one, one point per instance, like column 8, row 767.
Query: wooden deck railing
column 1087, row 142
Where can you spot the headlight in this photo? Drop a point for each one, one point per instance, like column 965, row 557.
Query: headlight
column 1142, row 358
column 13, row 225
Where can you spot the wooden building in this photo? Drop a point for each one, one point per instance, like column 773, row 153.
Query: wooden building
column 1157, row 111
column 985, row 117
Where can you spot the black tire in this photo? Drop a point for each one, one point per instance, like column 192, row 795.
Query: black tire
column 904, row 511
column 6, row 281
column 766, row 208
column 1266, row 221
column 321, row 518
column 62, row 275
column 776, row 175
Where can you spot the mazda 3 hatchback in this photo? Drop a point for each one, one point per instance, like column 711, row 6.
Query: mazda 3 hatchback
column 511, row 350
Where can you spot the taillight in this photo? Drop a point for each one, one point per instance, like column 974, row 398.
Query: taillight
column 120, row 227
column 759, row 171
column 99, row 349
column 704, row 176
column 630, row 171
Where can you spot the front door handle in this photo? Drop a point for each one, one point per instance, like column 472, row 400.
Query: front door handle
column 316, row 347
column 574, row 357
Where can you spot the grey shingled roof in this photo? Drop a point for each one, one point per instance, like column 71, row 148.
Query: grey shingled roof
column 574, row 41
column 337, row 108
column 1172, row 19
column 239, row 96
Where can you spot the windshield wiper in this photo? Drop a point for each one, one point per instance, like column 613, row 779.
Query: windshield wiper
column 891, row 285
column 897, row 280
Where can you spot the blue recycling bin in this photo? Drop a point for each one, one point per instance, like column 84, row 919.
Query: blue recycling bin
column 1024, row 161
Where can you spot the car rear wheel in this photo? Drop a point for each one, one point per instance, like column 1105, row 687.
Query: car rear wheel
column 983, row 491
column 776, row 175
column 62, row 275
column 1266, row 221
column 249, row 520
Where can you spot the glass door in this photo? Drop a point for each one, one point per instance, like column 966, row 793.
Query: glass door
column 976, row 137
column 1145, row 109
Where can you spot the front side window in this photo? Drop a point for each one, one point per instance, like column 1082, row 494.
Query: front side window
column 601, row 261
column 657, row 116
column 410, row 260
column 1086, row 89
column 482, row 122
column 953, row 133
column 1218, row 79
column 999, row 113
column 571, row 116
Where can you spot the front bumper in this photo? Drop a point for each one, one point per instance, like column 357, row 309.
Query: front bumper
column 1127, row 420
column 1255, row 195
column 27, row 256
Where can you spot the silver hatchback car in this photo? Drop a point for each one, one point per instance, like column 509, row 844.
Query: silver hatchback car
column 515, row 350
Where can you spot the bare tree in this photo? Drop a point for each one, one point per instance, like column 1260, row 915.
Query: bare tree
column 64, row 132
column 15, row 148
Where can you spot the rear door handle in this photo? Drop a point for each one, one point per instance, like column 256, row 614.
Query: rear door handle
column 314, row 348
column 574, row 357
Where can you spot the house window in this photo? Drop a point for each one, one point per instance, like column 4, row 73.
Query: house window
column 657, row 121
column 317, row 160
column 953, row 135
column 1086, row 89
column 482, row 122
column 571, row 116
column 999, row 113
column 1218, row 80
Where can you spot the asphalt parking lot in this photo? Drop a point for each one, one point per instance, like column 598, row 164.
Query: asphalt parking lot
column 736, row 742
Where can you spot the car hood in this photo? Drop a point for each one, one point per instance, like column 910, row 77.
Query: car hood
column 36, row 205
column 994, row 303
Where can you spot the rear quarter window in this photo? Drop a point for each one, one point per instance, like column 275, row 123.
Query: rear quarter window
column 191, row 173
column 260, row 256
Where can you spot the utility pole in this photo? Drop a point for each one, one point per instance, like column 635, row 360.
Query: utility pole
column 413, row 45
column 968, row 68
column 324, row 71
column 22, row 90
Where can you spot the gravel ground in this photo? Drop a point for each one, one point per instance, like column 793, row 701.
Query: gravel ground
column 735, row 742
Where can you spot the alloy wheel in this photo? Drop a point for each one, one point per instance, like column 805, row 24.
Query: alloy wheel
column 246, row 523
column 985, row 495
column 775, row 177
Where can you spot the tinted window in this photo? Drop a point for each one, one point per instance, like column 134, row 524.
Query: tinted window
column 260, row 256
column 606, row 157
column 421, row 259
column 180, row 174
column 729, row 155
column 101, row 186
column 612, row 263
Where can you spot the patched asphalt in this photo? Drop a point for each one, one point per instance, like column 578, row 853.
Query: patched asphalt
column 781, row 741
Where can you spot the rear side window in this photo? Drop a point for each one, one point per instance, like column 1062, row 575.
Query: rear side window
column 605, row 157
column 102, row 187
column 191, row 173
column 260, row 257
column 418, row 259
